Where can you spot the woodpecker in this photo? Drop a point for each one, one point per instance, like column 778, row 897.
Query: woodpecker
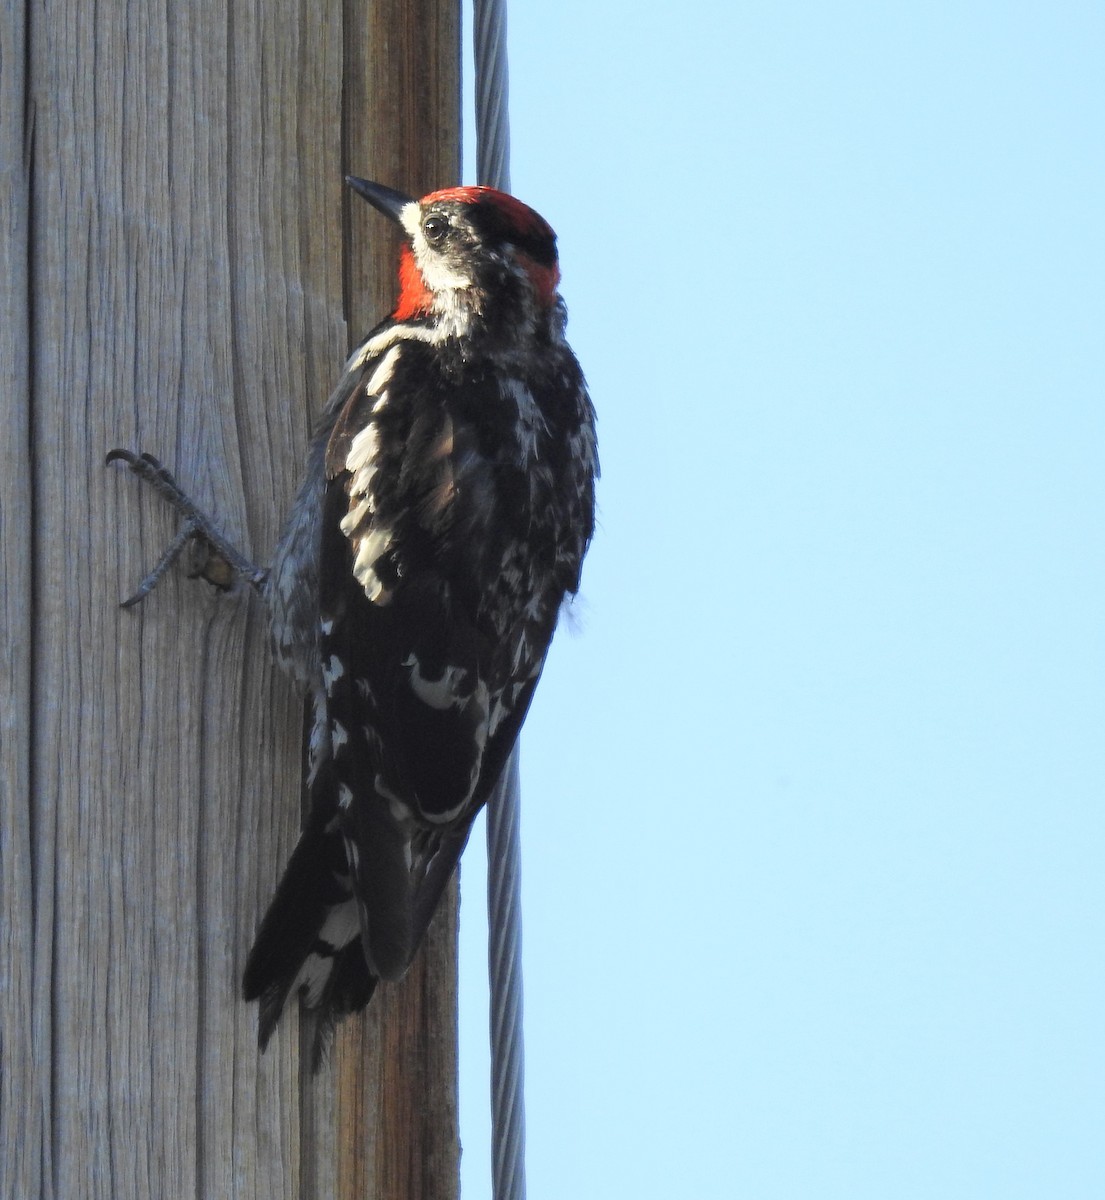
column 442, row 522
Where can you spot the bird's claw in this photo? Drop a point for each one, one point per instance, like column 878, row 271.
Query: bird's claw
column 214, row 558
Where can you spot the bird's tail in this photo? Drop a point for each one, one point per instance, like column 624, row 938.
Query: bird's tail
column 310, row 941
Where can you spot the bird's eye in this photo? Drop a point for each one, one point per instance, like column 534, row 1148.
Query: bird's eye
column 435, row 228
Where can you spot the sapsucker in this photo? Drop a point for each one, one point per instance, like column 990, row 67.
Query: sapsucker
column 444, row 515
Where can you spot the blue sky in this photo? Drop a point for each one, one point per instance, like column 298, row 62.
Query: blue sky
column 813, row 822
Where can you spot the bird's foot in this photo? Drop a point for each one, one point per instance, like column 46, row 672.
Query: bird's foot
column 210, row 555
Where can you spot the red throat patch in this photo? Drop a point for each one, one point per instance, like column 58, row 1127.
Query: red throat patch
column 414, row 296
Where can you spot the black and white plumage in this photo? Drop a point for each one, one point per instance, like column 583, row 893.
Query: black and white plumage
column 445, row 513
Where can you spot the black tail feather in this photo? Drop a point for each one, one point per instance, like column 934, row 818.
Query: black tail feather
column 314, row 885
column 348, row 990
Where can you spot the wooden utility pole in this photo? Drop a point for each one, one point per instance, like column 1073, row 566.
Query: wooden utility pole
column 183, row 272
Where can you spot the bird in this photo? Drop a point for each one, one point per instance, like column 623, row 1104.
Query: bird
column 447, row 505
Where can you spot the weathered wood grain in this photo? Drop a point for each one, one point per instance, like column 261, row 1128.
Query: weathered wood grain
column 177, row 274
column 24, row 1034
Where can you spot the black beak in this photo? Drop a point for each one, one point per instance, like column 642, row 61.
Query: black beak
column 390, row 202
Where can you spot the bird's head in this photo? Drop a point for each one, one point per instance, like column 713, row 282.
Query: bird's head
column 468, row 248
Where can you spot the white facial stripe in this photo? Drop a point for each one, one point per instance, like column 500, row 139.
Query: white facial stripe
column 410, row 217
column 439, row 276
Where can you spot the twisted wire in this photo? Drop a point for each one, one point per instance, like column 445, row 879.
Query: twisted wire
column 504, row 942
column 492, row 118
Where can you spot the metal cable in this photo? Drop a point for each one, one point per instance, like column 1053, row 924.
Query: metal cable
column 492, row 117
column 504, row 899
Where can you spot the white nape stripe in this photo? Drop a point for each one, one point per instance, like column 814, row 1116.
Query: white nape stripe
column 332, row 671
column 338, row 735
column 440, row 331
